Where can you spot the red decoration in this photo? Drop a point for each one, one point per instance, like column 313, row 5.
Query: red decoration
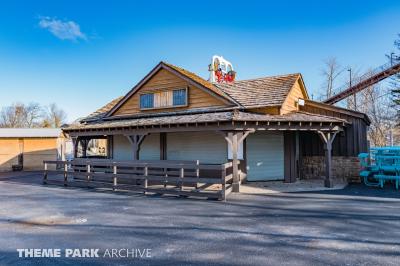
column 228, row 77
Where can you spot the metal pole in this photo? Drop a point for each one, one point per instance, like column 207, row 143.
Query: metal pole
column 391, row 58
column 354, row 95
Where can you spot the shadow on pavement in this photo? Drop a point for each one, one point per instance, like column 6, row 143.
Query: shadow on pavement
column 388, row 191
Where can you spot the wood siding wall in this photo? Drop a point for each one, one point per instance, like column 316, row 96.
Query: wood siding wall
column 350, row 142
column 290, row 103
column 164, row 80
column 266, row 110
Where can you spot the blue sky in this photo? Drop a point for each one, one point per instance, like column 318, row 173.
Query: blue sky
column 82, row 54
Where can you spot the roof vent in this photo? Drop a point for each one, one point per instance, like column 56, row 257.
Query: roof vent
column 221, row 70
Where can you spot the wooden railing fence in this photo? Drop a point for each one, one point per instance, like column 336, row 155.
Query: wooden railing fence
column 183, row 178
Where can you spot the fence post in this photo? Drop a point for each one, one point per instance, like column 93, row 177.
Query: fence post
column 181, row 175
column 45, row 174
column 197, row 174
column 88, row 172
column 166, row 177
column 223, row 186
column 65, row 174
column 114, row 177
column 146, row 173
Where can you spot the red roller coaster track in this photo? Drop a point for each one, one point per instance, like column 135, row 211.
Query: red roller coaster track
column 365, row 81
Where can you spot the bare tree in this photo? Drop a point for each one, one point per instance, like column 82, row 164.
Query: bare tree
column 54, row 116
column 20, row 115
column 330, row 72
column 376, row 103
column 9, row 116
column 396, row 81
column 33, row 114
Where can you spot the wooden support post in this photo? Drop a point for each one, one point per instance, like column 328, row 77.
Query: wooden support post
column 297, row 154
column 88, row 176
column 235, row 161
column 136, row 140
column 290, row 159
column 135, row 151
column 65, row 174
column 85, row 143
column 328, row 138
column 74, row 146
column 328, row 166
column 234, row 139
column 163, row 146
column 114, row 178
column 45, row 174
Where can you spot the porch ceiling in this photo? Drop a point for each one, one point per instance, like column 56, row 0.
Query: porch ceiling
column 232, row 120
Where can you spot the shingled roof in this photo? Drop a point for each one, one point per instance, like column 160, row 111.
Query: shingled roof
column 101, row 112
column 252, row 93
column 260, row 92
column 205, row 118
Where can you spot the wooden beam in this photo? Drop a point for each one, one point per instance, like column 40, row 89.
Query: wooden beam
column 297, row 154
column 290, row 163
column 194, row 127
column 136, row 140
column 328, row 138
column 74, row 140
column 84, row 143
column 245, row 134
column 235, row 147
column 163, row 146
column 234, row 139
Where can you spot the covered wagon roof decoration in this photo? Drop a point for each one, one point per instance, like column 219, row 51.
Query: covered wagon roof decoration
column 221, row 70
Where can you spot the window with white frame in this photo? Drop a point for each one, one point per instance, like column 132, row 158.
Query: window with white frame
column 163, row 99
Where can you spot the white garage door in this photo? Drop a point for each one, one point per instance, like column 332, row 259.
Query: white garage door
column 122, row 149
column 150, row 148
column 265, row 158
column 208, row 147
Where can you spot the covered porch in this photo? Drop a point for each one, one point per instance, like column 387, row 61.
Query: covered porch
column 246, row 140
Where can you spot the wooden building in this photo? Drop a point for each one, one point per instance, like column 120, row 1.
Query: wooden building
column 26, row 148
column 267, row 124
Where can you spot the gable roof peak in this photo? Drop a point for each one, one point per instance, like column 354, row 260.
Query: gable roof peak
column 190, row 77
